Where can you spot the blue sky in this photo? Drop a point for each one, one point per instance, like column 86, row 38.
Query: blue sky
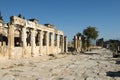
column 70, row 16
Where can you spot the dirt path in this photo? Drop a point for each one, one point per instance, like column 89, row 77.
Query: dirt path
column 94, row 65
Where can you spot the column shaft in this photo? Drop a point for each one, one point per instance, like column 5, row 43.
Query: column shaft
column 75, row 42
column 80, row 44
column 41, row 42
column 65, row 44
column 32, row 42
column 58, row 43
column 52, row 42
column 62, row 44
column 24, row 36
column 47, row 42
column 11, row 41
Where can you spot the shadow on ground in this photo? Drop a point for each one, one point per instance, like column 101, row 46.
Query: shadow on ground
column 113, row 74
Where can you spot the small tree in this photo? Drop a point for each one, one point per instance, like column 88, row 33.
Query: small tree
column 91, row 34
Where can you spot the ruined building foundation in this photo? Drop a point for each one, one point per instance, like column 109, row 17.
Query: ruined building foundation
column 26, row 38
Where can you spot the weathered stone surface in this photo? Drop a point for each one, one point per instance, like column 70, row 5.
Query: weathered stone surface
column 31, row 38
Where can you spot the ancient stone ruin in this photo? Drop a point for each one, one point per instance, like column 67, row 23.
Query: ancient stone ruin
column 77, row 43
column 25, row 38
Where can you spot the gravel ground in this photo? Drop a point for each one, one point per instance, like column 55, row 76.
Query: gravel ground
column 93, row 65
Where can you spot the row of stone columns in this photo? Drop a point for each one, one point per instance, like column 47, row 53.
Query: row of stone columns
column 33, row 45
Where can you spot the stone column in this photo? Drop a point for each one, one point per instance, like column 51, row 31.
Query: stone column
column 80, row 44
column 58, row 40
column 41, row 42
column 65, row 43
column 58, row 43
column 32, row 42
column 4, row 49
column 11, row 41
column 52, row 42
column 0, row 44
column 47, row 42
column 1, row 33
column 75, row 42
column 118, row 48
column 24, row 36
column 62, row 44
